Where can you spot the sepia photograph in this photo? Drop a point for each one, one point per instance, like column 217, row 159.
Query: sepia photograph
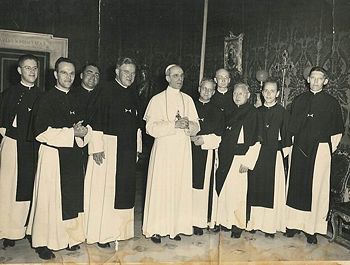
column 175, row 132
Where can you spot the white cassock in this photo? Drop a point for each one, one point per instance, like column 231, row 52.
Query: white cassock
column 103, row 223
column 232, row 201
column 13, row 214
column 46, row 224
column 168, row 203
column 315, row 221
column 201, row 196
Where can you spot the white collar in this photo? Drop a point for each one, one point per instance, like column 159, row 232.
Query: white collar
column 271, row 105
column 88, row 89
column 120, row 83
column 172, row 90
column 27, row 85
column 222, row 92
column 203, row 101
column 63, row 90
column 315, row 92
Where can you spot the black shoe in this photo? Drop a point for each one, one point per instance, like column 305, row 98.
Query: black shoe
column 236, row 232
column 73, row 248
column 45, row 253
column 177, row 237
column 29, row 238
column 8, row 243
column 156, row 239
column 197, row 231
column 311, row 239
column 269, row 235
column 291, row 232
column 104, row 245
column 215, row 229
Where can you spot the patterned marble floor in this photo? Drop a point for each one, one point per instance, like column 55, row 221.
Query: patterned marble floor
column 211, row 248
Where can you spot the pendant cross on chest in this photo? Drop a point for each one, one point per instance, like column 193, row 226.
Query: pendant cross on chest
column 178, row 116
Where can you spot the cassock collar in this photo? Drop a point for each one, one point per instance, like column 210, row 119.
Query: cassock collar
column 120, row 83
column 243, row 106
column 274, row 104
column 29, row 87
column 172, row 90
column 203, row 102
column 87, row 89
column 60, row 89
column 315, row 92
column 221, row 92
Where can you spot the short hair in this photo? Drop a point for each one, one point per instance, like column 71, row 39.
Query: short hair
column 206, row 79
column 90, row 64
column 241, row 85
column 216, row 72
column 319, row 69
column 273, row 81
column 125, row 60
column 167, row 69
column 63, row 60
column 24, row 57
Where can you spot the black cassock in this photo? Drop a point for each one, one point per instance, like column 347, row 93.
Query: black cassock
column 224, row 101
column 58, row 110
column 211, row 121
column 261, row 181
column 87, row 101
column 247, row 116
column 314, row 119
column 118, row 116
column 19, row 101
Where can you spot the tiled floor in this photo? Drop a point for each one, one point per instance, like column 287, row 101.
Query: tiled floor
column 211, row 248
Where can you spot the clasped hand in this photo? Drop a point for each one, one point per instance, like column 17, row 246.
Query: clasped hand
column 197, row 140
column 98, row 157
column 79, row 129
column 182, row 123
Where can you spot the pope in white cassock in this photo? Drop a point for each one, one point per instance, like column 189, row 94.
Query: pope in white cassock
column 171, row 118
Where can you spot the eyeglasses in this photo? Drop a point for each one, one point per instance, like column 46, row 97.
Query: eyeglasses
column 28, row 68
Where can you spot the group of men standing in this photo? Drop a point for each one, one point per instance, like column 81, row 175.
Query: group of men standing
column 60, row 154
column 219, row 162
column 68, row 158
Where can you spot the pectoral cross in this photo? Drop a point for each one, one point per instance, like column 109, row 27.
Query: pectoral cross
column 178, row 116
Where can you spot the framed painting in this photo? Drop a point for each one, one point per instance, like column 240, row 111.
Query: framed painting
column 233, row 53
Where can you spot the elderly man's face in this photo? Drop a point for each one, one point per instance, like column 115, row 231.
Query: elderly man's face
column 126, row 74
column 240, row 95
column 90, row 77
column 65, row 75
column 176, row 77
column 206, row 91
